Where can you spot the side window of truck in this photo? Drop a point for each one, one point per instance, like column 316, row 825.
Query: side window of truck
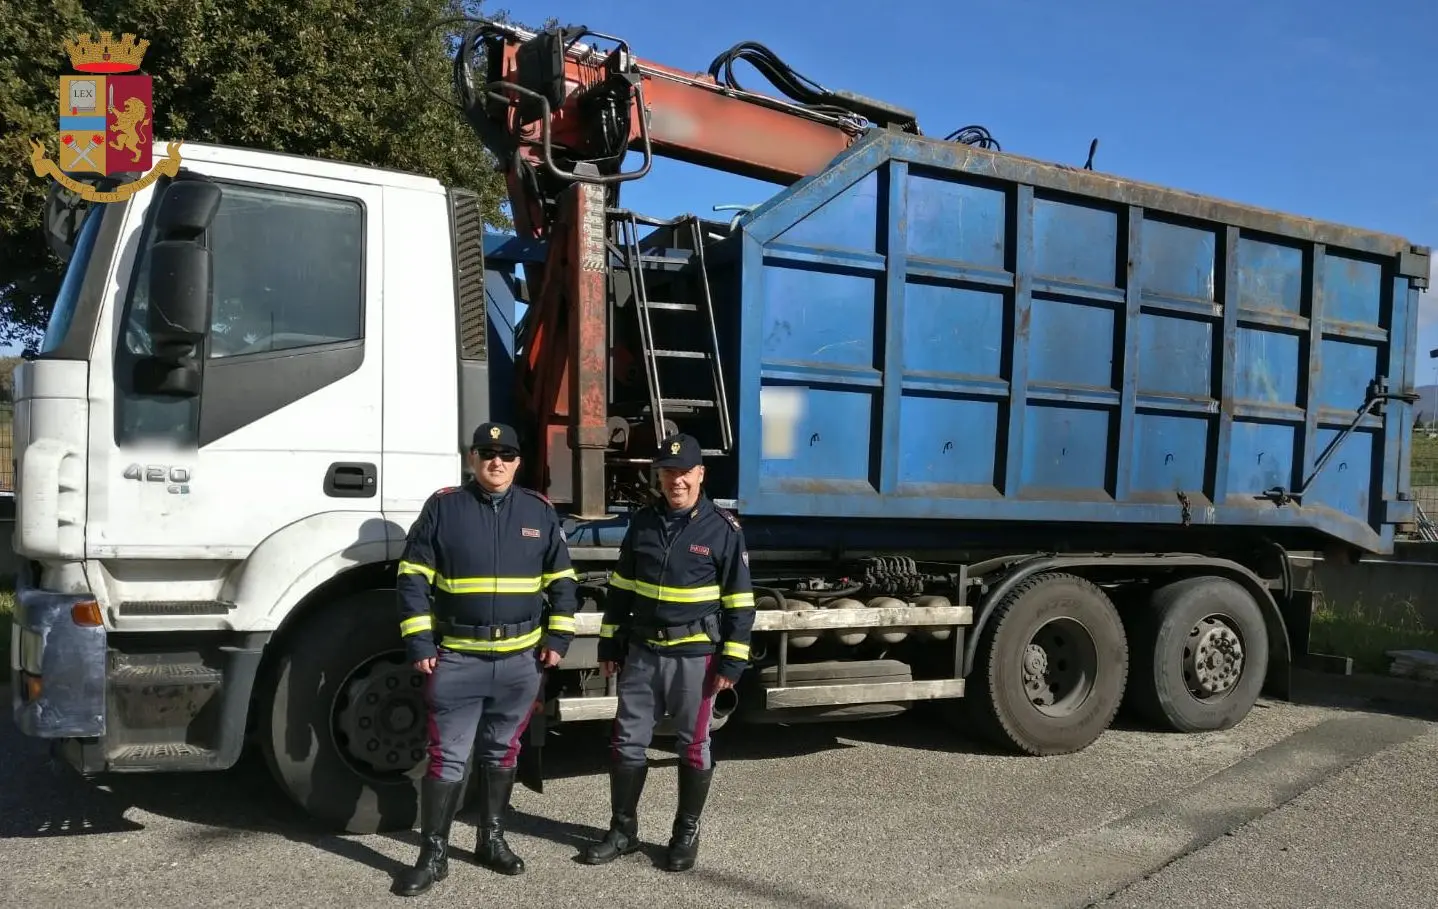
column 288, row 271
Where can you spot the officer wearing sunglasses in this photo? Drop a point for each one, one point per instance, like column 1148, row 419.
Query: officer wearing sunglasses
column 478, row 566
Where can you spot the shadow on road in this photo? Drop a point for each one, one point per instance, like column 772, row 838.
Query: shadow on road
column 1366, row 694
column 43, row 797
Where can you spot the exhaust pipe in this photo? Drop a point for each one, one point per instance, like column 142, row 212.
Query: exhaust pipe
column 725, row 703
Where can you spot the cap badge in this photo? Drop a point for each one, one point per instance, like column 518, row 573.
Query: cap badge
column 494, row 432
column 673, row 447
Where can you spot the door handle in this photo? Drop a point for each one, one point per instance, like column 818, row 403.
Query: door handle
column 350, row 480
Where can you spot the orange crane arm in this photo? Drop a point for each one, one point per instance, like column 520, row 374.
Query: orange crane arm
column 560, row 102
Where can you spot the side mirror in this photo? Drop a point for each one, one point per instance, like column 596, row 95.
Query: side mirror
column 64, row 213
column 179, row 307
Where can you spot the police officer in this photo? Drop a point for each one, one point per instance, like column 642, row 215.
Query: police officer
column 486, row 551
column 676, row 627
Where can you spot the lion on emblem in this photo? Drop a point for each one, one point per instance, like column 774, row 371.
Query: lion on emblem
column 128, row 123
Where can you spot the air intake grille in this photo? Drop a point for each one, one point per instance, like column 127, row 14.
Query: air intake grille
column 468, row 234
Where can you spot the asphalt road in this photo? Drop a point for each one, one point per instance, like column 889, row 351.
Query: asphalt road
column 1314, row 804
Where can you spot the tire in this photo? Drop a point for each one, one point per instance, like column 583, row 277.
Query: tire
column 1080, row 650
column 1170, row 689
column 342, row 671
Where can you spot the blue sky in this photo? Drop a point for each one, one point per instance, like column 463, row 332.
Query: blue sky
column 1316, row 108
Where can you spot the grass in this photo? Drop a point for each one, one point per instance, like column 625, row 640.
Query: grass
column 1366, row 633
column 1423, row 463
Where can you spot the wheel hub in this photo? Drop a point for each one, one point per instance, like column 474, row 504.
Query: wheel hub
column 381, row 714
column 1060, row 664
column 1213, row 661
column 1036, row 663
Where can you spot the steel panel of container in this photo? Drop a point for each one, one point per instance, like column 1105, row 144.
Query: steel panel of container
column 932, row 330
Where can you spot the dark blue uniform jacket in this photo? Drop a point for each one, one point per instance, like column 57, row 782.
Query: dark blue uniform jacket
column 682, row 586
column 475, row 570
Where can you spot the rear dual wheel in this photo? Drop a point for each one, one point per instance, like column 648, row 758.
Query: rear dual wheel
column 1200, row 655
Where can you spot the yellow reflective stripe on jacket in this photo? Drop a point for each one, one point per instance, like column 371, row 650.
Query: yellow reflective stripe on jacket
column 488, row 585
column 700, row 638
column 562, row 624
column 739, row 601
column 607, row 631
column 522, row 642
column 736, row 650
column 665, row 594
column 415, row 624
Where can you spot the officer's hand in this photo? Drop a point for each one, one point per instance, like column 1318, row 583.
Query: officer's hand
column 721, row 684
column 548, row 658
column 609, row 667
column 426, row 665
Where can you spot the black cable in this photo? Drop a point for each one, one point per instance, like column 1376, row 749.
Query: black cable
column 974, row 135
column 799, row 88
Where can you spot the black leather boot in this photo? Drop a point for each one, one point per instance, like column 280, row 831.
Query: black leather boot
column 495, row 786
column 625, row 786
column 438, row 801
column 684, row 843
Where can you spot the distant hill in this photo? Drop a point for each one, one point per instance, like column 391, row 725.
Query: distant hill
column 1428, row 403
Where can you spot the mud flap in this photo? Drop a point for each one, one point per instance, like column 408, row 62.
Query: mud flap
column 530, row 772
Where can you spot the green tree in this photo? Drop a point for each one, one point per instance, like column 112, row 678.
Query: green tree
column 330, row 78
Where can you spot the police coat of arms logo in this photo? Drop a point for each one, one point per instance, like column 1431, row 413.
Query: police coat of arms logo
column 106, row 120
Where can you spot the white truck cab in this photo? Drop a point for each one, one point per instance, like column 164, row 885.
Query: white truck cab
column 254, row 376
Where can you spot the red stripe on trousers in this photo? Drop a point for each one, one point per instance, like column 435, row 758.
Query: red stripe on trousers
column 694, row 754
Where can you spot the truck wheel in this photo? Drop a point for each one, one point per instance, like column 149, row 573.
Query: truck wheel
column 342, row 726
column 1200, row 654
column 1051, row 667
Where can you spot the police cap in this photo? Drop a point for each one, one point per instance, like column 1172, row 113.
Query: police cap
column 497, row 436
column 680, row 451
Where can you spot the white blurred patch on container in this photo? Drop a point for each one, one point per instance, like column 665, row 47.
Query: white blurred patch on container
column 780, row 412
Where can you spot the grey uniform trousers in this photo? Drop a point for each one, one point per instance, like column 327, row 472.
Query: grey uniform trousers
column 653, row 684
column 484, row 695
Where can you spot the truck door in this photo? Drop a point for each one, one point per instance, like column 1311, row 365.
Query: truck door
column 281, row 447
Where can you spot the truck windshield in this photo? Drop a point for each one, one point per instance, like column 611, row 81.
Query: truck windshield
column 69, row 295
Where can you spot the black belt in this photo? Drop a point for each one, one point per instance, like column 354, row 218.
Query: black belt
column 487, row 632
column 708, row 625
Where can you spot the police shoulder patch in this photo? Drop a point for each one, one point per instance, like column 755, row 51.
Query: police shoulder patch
column 537, row 494
column 729, row 516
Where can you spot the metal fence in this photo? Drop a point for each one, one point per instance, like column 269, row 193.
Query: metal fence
column 1423, row 478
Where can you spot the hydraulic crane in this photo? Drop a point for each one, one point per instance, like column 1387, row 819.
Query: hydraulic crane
column 562, row 116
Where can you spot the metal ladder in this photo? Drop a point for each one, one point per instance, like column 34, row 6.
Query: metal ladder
column 686, row 234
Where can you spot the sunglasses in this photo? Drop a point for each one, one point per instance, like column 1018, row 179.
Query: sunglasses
column 486, row 454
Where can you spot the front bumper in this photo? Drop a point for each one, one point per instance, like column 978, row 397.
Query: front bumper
column 57, row 663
